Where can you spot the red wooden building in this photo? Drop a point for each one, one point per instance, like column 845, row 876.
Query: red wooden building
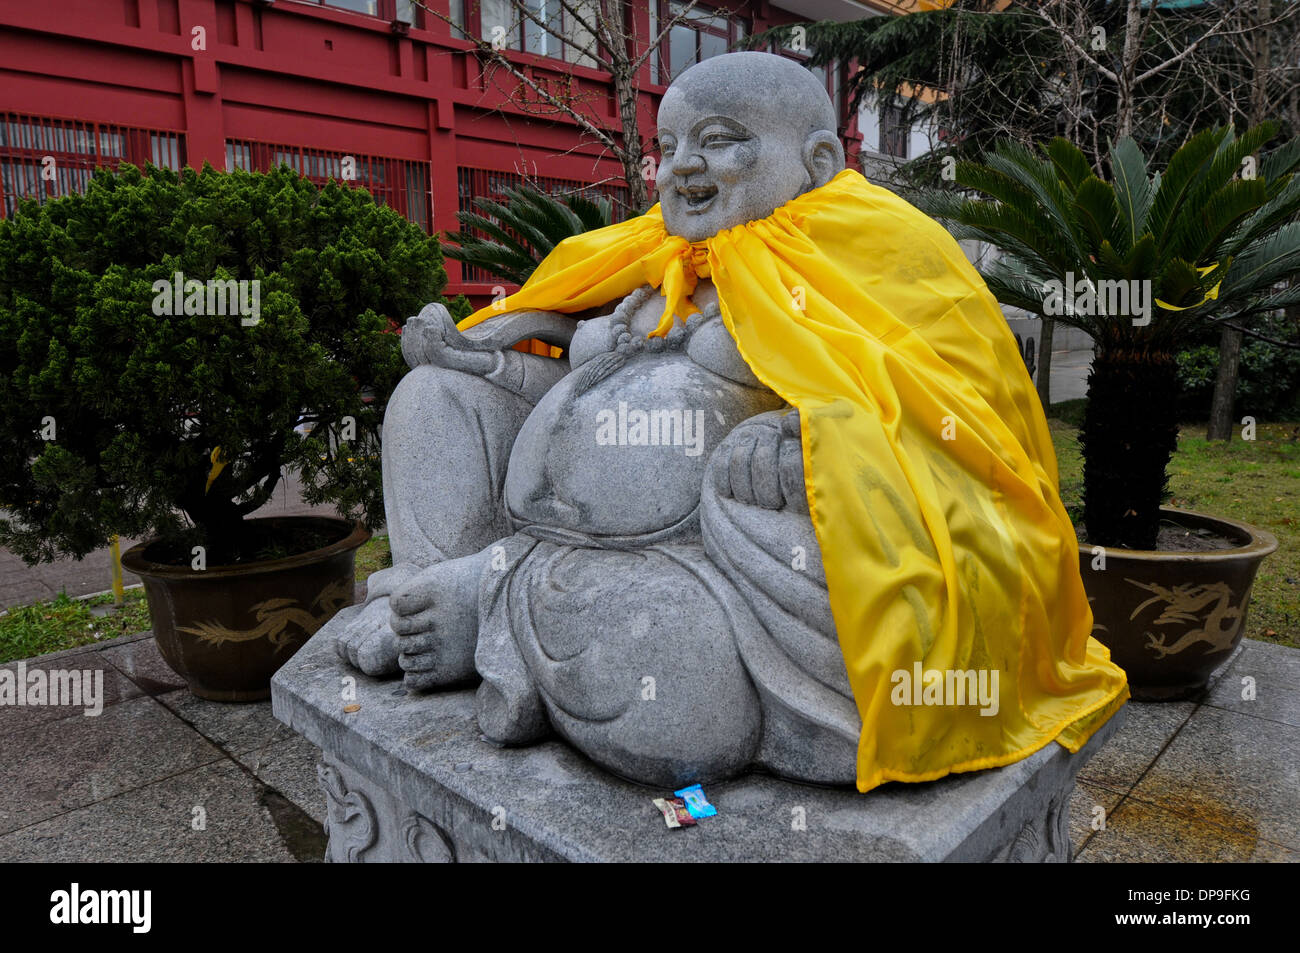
column 390, row 83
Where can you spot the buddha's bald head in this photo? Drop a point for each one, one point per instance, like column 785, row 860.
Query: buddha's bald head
column 741, row 135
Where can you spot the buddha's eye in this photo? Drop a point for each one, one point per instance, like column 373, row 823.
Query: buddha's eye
column 667, row 147
column 715, row 139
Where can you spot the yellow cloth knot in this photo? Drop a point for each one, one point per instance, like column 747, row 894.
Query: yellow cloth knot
column 676, row 268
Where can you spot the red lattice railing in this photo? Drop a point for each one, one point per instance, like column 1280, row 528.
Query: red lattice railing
column 43, row 158
column 401, row 184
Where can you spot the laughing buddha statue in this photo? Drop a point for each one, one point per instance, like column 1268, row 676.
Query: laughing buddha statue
column 787, row 460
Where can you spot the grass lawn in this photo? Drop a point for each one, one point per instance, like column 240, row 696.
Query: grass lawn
column 64, row 623
column 372, row 557
column 1256, row 481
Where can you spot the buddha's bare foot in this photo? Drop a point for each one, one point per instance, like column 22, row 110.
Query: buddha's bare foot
column 435, row 616
column 369, row 643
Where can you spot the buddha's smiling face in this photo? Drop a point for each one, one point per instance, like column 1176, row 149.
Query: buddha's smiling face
column 739, row 136
column 722, row 167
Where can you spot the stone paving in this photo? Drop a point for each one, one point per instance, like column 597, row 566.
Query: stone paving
column 134, row 783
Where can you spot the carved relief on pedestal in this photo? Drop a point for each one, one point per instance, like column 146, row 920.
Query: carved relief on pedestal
column 425, row 843
column 1046, row 839
column 350, row 819
column 354, row 828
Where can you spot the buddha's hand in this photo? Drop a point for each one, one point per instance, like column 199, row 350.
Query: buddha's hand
column 431, row 337
column 761, row 463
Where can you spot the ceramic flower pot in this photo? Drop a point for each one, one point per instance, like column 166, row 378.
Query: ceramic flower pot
column 1171, row 618
column 227, row 629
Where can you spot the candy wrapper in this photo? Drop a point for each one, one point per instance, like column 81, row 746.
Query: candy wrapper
column 675, row 812
column 696, row 802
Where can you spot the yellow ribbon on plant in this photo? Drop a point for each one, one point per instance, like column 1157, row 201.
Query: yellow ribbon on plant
column 928, row 465
column 1211, row 295
column 217, row 466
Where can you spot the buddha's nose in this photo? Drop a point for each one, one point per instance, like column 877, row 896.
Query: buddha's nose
column 687, row 163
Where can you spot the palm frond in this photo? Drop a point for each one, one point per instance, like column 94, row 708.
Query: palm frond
column 509, row 239
column 1133, row 189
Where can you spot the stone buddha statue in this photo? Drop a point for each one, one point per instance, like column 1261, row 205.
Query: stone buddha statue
column 785, row 500
column 617, row 542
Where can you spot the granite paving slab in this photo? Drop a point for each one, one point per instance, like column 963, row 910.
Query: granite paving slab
column 289, row 766
column 115, row 688
column 141, row 662
column 1274, row 671
column 1085, row 800
column 237, row 727
column 157, row 823
column 1234, row 771
column 57, row 766
column 1135, row 747
column 1138, row 832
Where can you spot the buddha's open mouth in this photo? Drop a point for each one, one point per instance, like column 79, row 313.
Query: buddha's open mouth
column 698, row 197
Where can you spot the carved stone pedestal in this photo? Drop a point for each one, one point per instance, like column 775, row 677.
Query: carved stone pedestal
column 408, row 778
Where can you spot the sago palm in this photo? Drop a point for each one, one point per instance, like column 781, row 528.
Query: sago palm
column 1213, row 238
column 509, row 240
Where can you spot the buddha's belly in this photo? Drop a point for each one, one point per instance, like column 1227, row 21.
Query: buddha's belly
column 626, row 455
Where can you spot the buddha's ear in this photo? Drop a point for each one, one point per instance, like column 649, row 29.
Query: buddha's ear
column 823, row 157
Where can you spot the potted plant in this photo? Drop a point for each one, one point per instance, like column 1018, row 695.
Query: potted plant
column 1135, row 260
column 170, row 340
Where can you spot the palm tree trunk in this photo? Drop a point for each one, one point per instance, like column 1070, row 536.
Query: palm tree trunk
column 1129, row 434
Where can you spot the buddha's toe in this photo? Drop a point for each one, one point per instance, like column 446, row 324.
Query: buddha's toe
column 369, row 643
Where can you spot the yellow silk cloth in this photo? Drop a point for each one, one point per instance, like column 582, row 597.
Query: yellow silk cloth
column 929, row 469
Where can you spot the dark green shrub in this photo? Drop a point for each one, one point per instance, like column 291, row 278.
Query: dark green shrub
column 115, row 419
column 1268, row 383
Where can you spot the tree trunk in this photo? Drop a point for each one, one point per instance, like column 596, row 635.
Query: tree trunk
column 626, row 95
column 1127, row 72
column 1129, row 434
column 1043, row 380
column 1225, row 386
column 625, row 92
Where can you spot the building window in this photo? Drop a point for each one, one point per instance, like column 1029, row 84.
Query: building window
column 456, row 13
column 369, row 7
column 700, row 34
column 43, row 158
column 894, row 133
column 406, row 11
column 542, row 27
column 401, row 184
